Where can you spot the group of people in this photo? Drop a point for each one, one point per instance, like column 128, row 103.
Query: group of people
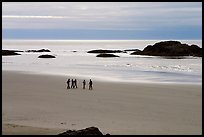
column 73, row 83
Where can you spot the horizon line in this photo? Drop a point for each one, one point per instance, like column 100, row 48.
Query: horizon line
column 93, row 39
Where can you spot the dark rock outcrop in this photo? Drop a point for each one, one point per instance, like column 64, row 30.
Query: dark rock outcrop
column 46, row 56
column 106, row 51
column 10, row 52
column 41, row 50
column 170, row 48
column 107, row 55
column 86, row 131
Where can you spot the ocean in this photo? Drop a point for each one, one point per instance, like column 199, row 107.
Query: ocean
column 72, row 60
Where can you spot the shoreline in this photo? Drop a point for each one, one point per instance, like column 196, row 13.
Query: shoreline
column 42, row 101
column 102, row 79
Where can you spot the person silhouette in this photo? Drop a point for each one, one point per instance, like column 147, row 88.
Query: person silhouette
column 84, row 84
column 72, row 86
column 75, row 83
column 68, row 86
column 90, row 85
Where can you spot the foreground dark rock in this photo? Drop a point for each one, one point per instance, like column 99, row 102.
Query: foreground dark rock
column 41, row 50
column 86, row 131
column 170, row 48
column 107, row 55
column 46, row 56
column 106, row 51
column 10, row 52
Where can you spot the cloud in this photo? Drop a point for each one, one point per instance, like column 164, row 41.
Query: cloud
column 100, row 15
column 32, row 17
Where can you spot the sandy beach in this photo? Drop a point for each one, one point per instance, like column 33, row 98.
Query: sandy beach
column 41, row 104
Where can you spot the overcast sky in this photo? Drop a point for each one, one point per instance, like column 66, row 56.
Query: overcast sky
column 102, row 20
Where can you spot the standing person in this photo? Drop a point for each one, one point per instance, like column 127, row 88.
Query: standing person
column 90, row 85
column 75, row 83
column 72, row 86
column 84, row 84
column 68, row 86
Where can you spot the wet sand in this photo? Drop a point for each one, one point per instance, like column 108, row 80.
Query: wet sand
column 41, row 104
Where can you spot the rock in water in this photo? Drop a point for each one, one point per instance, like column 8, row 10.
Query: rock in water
column 41, row 50
column 46, row 56
column 170, row 48
column 106, row 51
column 86, row 131
column 10, row 52
column 107, row 55
column 135, row 50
